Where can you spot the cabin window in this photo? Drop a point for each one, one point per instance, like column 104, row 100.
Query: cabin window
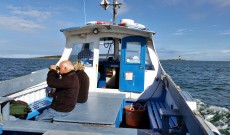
column 84, row 53
column 133, row 54
column 106, row 48
column 148, row 64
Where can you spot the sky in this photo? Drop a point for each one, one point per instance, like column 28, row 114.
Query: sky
column 191, row 29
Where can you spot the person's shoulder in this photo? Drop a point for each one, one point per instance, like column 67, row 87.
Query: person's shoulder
column 72, row 73
column 80, row 72
column 52, row 71
column 76, row 75
column 84, row 74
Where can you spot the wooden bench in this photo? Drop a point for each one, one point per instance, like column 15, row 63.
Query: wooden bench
column 160, row 116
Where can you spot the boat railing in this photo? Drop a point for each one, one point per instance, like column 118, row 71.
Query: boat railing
column 19, row 84
column 186, row 111
column 31, row 94
column 28, row 88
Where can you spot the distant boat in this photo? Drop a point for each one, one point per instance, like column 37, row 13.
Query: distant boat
column 130, row 93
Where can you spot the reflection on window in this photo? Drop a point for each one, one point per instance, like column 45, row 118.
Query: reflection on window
column 133, row 52
column 82, row 52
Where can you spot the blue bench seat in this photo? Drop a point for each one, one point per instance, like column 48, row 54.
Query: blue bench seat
column 155, row 116
column 38, row 106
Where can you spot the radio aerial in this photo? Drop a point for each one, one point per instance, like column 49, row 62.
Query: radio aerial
column 105, row 4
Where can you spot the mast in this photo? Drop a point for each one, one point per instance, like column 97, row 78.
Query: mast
column 114, row 12
column 105, row 4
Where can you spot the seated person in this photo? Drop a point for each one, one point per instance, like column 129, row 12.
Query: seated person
column 83, row 81
column 66, row 93
column 86, row 53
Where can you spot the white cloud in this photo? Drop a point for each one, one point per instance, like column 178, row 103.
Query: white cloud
column 30, row 11
column 171, row 2
column 227, row 52
column 179, row 32
column 19, row 24
column 218, row 3
column 199, row 15
column 227, row 32
column 124, row 8
column 19, row 56
column 25, row 18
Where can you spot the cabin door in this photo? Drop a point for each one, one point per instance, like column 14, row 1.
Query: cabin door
column 132, row 64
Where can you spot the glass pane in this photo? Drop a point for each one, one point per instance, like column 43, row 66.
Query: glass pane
column 133, row 52
column 76, row 49
column 82, row 52
column 148, row 64
column 106, row 48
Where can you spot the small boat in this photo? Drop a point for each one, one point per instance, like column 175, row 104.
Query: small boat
column 129, row 92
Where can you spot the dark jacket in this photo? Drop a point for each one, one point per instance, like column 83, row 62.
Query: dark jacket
column 67, row 89
column 84, row 86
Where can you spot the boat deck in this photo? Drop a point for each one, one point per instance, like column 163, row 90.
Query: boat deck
column 101, row 114
column 101, row 108
column 25, row 127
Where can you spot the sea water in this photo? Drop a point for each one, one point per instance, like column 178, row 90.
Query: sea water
column 11, row 68
column 208, row 82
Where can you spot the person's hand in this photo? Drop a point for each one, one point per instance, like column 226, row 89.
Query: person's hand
column 54, row 67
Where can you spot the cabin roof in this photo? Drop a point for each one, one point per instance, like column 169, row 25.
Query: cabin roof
column 106, row 29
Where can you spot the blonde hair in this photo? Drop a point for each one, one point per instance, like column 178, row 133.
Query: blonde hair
column 78, row 65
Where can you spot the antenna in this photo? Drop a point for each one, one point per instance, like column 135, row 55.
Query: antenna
column 84, row 11
column 105, row 4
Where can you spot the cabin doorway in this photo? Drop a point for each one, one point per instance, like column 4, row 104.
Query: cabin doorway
column 132, row 66
column 109, row 63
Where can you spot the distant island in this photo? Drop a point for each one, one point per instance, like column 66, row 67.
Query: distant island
column 49, row 57
column 177, row 59
column 59, row 56
column 173, row 60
